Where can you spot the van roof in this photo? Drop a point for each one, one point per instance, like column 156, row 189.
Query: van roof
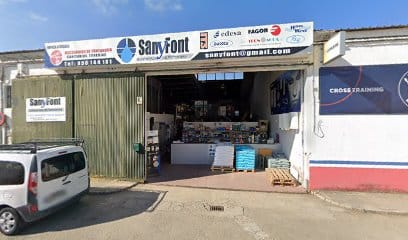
column 41, row 145
column 53, row 148
column 29, row 149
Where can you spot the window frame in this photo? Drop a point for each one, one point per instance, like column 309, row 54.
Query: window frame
column 7, row 96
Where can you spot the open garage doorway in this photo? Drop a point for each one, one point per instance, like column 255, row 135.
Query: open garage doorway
column 226, row 130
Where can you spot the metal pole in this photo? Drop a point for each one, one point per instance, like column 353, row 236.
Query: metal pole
column 3, row 128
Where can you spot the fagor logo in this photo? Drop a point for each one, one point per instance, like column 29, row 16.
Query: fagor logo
column 257, row 30
column 275, row 30
column 126, row 50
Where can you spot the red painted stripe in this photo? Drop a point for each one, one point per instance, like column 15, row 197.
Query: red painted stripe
column 361, row 179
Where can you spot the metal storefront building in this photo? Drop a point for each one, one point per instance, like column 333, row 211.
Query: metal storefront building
column 335, row 150
column 103, row 93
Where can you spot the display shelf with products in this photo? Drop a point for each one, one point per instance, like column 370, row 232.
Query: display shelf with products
column 215, row 132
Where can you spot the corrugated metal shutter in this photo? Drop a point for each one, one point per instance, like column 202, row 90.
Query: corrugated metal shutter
column 47, row 86
column 108, row 117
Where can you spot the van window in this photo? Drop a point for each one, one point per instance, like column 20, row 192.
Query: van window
column 79, row 161
column 61, row 166
column 11, row 173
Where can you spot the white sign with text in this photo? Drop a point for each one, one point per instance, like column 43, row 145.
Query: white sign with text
column 46, row 109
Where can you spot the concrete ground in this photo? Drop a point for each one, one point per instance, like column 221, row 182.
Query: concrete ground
column 201, row 176
column 164, row 212
column 389, row 203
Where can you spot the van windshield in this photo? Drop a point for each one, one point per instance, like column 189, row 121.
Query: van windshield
column 11, row 173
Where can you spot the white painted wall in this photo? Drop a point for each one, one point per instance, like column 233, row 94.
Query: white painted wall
column 357, row 137
column 38, row 69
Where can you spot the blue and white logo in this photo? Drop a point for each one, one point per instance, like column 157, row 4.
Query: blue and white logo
column 403, row 89
column 299, row 28
column 295, row 39
column 126, row 50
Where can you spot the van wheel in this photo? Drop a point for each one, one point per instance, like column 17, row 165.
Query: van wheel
column 10, row 221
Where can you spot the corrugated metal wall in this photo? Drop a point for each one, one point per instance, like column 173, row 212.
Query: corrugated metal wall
column 40, row 87
column 108, row 117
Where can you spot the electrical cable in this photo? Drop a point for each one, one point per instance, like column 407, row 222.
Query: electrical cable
column 320, row 132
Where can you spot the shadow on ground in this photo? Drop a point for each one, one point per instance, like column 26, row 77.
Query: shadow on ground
column 175, row 172
column 97, row 209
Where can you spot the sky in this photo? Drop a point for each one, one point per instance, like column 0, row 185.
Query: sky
column 28, row 24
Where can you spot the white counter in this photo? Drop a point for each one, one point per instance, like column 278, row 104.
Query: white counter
column 199, row 153
column 190, row 153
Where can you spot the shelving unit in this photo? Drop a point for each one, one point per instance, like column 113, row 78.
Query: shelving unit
column 237, row 133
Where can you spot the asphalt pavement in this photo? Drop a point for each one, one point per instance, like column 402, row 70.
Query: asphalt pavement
column 162, row 212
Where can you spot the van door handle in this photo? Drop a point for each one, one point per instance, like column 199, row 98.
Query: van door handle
column 67, row 182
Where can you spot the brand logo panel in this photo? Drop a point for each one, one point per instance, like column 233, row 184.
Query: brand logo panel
column 126, row 50
column 266, row 40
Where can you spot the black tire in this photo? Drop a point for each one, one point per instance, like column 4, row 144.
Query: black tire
column 11, row 216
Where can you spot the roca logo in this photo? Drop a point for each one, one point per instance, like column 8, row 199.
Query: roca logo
column 221, row 43
column 295, row 39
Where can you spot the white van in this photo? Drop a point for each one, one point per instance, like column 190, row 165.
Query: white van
column 38, row 178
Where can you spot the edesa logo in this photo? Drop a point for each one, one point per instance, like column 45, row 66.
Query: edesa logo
column 126, row 50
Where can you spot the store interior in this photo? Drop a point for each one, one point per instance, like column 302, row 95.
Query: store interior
column 214, row 126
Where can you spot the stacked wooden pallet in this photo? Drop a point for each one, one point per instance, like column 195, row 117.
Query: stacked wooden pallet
column 246, row 170
column 222, row 168
column 277, row 176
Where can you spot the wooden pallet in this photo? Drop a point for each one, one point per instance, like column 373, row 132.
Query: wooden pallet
column 281, row 177
column 222, row 168
column 246, row 170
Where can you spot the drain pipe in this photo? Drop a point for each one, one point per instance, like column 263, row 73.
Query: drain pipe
column 3, row 128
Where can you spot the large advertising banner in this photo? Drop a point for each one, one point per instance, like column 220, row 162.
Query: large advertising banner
column 379, row 89
column 257, row 41
column 285, row 93
column 126, row 50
